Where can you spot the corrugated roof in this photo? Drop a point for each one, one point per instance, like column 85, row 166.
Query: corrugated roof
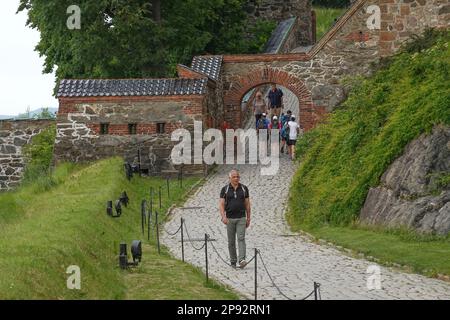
column 131, row 87
column 208, row 65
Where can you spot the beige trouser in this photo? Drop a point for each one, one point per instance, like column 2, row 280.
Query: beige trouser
column 275, row 112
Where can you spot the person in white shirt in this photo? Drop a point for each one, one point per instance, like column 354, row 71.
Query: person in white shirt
column 294, row 130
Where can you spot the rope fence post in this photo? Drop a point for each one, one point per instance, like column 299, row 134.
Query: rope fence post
column 168, row 188
column 151, row 199
column 182, row 240
column 316, row 286
column 160, row 206
column 149, row 224
column 256, row 274
column 143, row 214
column 157, row 232
column 206, row 256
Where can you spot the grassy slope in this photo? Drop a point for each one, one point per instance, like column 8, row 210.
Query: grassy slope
column 325, row 19
column 44, row 232
column 346, row 156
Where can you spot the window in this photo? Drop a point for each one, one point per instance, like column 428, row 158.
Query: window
column 132, row 128
column 104, row 128
column 161, row 127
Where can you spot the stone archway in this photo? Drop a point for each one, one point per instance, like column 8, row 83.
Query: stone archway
column 241, row 84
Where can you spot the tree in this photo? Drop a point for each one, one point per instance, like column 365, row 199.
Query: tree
column 46, row 114
column 134, row 38
column 156, row 9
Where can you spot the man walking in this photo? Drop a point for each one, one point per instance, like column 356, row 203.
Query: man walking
column 275, row 97
column 234, row 206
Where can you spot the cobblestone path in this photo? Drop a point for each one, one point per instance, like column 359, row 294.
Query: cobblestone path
column 293, row 260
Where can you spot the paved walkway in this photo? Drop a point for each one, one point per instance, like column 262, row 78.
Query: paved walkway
column 293, row 260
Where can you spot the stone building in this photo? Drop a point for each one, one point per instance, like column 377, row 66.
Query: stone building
column 135, row 117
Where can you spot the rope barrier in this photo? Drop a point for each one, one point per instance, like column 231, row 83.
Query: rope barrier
column 190, row 241
column 271, row 279
column 172, row 234
column 316, row 285
column 217, row 252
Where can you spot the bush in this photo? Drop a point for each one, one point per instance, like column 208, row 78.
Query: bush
column 39, row 155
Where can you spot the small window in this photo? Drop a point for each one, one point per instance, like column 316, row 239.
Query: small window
column 132, row 128
column 104, row 128
column 161, row 127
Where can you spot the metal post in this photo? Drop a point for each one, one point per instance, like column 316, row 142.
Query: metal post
column 157, row 231
column 206, row 255
column 143, row 204
column 160, row 206
column 315, row 290
column 256, row 274
column 149, row 225
column 151, row 199
column 181, row 176
column 182, row 239
column 168, row 188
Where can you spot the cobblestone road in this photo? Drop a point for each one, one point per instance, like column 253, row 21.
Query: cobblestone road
column 293, row 260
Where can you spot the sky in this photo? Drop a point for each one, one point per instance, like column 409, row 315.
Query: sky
column 22, row 83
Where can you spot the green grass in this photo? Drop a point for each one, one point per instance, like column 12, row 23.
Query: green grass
column 422, row 254
column 345, row 156
column 325, row 19
column 46, row 231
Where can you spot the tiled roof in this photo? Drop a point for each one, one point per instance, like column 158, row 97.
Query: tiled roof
column 131, row 87
column 278, row 35
column 208, row 65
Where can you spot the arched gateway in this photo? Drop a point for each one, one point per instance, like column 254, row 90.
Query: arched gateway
column 243, row 83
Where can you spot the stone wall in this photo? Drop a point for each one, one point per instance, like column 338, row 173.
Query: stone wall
column 409, row 194
column 401, row 19
column 79, row 137
column 279, row 10
column 14, row 135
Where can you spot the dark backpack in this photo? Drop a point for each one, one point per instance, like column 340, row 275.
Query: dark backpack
column 228, row 188
column 275, row 124
column 286, row 130
column 260, row 124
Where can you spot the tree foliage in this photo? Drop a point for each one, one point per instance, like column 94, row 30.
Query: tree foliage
column 124, row 38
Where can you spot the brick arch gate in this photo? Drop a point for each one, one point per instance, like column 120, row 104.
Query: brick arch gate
column 244, row 83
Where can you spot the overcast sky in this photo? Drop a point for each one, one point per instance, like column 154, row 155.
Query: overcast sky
column 22, row 83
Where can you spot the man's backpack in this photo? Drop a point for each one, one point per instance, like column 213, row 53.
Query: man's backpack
column 228, row 188
column 275, row 124
column 285, row 130
column 260, row 124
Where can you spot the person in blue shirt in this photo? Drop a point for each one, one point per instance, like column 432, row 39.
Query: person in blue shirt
column 263, row 123
column 275, row 98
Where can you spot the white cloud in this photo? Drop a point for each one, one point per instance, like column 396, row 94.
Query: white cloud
column 22, row 83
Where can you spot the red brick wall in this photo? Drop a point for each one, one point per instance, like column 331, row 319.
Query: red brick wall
column 73, row 105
